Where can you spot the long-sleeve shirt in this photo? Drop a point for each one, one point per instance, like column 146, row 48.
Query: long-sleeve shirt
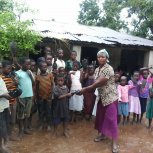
column 123, row 93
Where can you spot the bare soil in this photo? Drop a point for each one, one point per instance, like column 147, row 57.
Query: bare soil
column 132, row 139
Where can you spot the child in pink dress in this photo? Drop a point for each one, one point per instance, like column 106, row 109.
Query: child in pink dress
column 123, row 101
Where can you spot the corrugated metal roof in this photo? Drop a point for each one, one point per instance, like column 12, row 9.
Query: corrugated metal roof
column 90, row 34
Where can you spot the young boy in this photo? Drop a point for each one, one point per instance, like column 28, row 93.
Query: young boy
column 48, row 59
column 4, row 113
column 44, row 87
column 69, row 63
column 11, row 84
column 25, row 80
column 60, row 62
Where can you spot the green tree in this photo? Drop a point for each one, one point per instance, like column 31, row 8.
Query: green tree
column 89, row 13
column 105, row 14
column 140, row 11
column 143, row 24
column 12, row 28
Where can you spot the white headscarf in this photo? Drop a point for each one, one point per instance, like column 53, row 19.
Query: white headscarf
column 103, row 52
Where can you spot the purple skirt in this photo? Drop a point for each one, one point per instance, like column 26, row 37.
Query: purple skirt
column 106, row 120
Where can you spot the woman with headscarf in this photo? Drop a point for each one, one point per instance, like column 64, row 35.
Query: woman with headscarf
column 106, row 116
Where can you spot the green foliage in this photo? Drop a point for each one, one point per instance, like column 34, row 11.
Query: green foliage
column 108, row 13
column 13, row 29
column 89, row 13
column 143, row 24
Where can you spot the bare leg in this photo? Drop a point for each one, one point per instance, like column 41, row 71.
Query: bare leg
column 55, row 130
column 124, row 119
column 65, row 129
column 134, row 116
column 26, row 126
column 150, row 120
column 141, row 117
column 128, row 118
column 137, row 118
column 20, row 128
column 119, row 119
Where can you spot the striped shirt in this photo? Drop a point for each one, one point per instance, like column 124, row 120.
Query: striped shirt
column 10, row 85
column 45, row 85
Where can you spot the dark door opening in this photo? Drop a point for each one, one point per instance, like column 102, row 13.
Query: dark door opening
column 132, row 60
column 89, row 53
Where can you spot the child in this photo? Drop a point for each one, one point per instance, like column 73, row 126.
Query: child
column 25, row 82
column 34, row 105
column 149, row 113
column 76, row 101
column 89, row 97
column 48, row 59
column 144, row 84
column 123, row 104
column 11, row 84
column 60, row 62
column 4, row 113
column 134, row 102
column 69, row 63
column 61, row 104
column 117, row 79
column 44, row 87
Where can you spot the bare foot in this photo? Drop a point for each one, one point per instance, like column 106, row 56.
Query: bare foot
column 66, row 134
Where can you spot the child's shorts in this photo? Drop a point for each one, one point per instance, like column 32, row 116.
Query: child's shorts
column 123, row 108
column 24, row 107
column 4, row 123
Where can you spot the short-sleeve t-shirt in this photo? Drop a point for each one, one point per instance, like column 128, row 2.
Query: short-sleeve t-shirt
column 4, row 103
column 45, row 85
column 107, row 92
column 25, row 83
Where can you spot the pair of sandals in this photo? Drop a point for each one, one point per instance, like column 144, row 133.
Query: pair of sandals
column 101, row 138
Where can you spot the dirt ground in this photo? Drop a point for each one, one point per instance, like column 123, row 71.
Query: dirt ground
column 132, row 139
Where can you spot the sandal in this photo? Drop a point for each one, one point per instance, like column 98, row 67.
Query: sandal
column 115, row 150
column 99, row 138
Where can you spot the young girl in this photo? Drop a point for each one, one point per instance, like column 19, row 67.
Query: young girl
column 76, row 101
column 144, row 84
column 123, row 104
column 61, row 104
column 149, row 113
column 134, row 102
column 89, row 97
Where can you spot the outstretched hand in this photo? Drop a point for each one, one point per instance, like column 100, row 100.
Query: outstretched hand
column 82, row 91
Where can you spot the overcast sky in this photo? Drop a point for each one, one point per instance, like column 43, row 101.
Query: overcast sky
column 60, row 10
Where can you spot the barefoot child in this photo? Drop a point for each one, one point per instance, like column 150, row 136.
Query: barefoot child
column 144, row 84
column 25, row 82
column 61, row 104
column 44, row 87
column 134, row 102
column 76, row 102
column 149, row 113
column 123, row 104
column 11, row 84
column 89, row 97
